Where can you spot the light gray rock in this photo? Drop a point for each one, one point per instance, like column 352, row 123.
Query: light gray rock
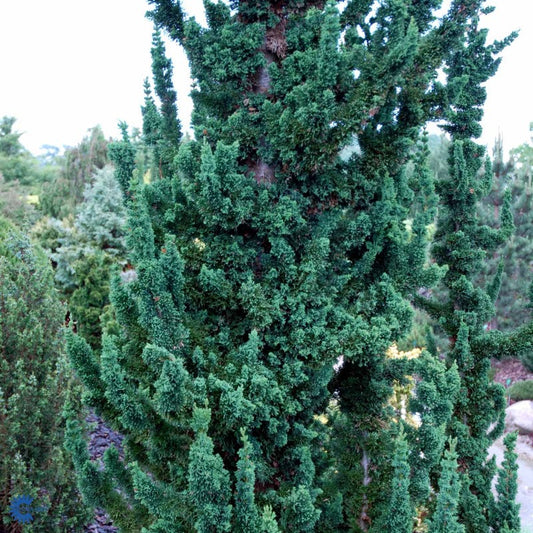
column 520, row 416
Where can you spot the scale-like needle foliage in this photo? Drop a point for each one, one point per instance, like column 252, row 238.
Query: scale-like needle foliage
column 276, row 245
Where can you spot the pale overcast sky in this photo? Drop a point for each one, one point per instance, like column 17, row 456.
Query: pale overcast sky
column 68, row 65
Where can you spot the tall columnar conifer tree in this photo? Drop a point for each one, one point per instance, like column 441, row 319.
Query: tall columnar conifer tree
column 60, row 197
column 462, row 242
column 265, row 257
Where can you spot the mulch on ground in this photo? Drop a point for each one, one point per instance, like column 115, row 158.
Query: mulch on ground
column 510, row 369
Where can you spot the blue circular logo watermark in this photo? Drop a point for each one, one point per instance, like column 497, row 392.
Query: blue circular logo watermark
column 21, row 509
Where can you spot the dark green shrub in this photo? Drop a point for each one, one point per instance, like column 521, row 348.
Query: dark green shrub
column 527, row 360
column 34, row 384
column 522, row 390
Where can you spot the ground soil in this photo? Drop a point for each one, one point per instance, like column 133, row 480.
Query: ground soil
column 510, row 369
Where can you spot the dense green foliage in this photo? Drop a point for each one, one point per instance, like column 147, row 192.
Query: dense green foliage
column 161, row 128
column 514, row 256
column 60, row 197
column 21, row 177
column 16, row 163
column 513, row 305
column 512, row 309
column 273, row 268
column 521, row 390
column 445, row 519
column 463, row 308
column 400, row 514
column 85, row 253
column 505, row 514
column 34, row 383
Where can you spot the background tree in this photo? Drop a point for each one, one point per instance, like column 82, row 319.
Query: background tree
column 21, row 177
column 34, row 383
column 60, row 197
column 85, row 254
column 523, row 158
column 517, row 252
column 15, row 160
column 439, row 147
column 15, row 205
column 264, row 259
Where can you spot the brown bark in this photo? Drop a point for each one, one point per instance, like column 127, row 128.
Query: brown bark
column 273, row 49
column 364, row 519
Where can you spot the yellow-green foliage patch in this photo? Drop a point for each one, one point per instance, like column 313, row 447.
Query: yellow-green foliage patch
column 522, row 390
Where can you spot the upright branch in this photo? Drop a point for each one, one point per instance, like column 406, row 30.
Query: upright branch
column 462, row 243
